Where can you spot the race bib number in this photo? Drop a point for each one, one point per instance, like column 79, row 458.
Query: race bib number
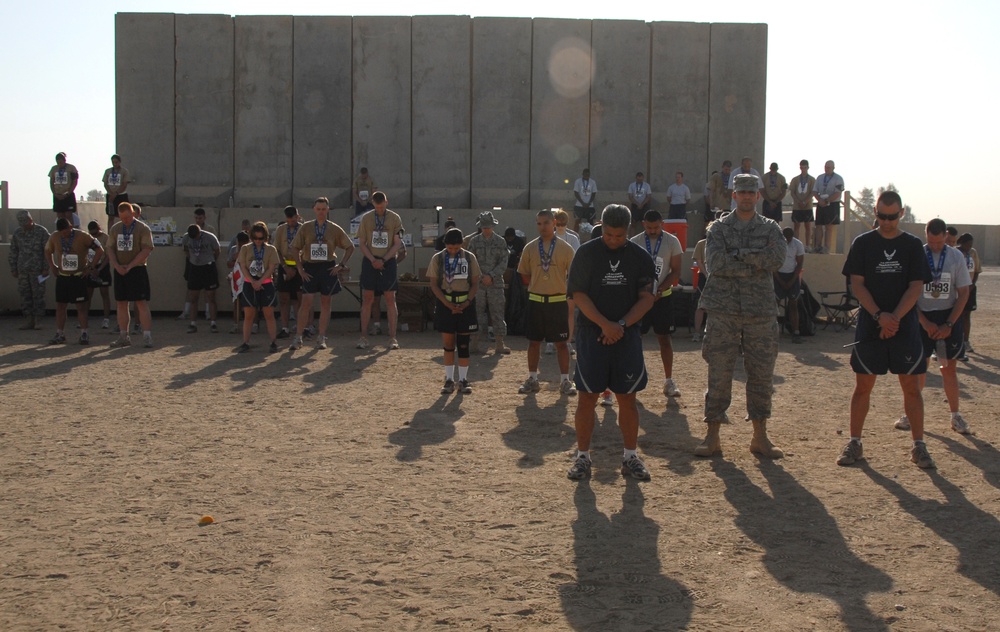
column 319, row 252
column 61, row 177
column 70, row 263
column 462, row 269
column 115, row 179
column 380, row 239
column 124, row 243
column 940, row 288
column 658, row 262
column 363, row 195
column 256, row 269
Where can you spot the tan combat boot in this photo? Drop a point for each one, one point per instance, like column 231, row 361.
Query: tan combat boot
column 501, row 347
column 29, row 323
column 712, row 445
column 761, row 445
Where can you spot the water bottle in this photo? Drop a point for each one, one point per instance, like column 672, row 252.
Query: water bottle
column 941, row 348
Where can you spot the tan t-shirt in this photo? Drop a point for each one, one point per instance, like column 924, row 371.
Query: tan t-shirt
column 548, row 282
column 127, row 244
column 249, row 263
column 379, row 238
column 62, row 179
column 284, row 245
column 70, row 254
column 101, row 238
column 318, row 250
column 364, row 186
column 465, row 270
column 115, row 180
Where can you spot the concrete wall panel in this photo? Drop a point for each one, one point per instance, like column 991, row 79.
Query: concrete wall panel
column 501, row 112
column 204, row 111
column 619, row 107
column 321, row 119
column 263, row 111
column 737, row 100
column 382, row 97
column 442, row 125
column 560, row 109
column 144, row 87
column 679, row 109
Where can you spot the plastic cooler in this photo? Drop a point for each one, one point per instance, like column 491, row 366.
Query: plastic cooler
column 679, row 229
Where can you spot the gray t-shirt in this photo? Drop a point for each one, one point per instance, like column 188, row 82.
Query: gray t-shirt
column 954, row 274
column 201, row 251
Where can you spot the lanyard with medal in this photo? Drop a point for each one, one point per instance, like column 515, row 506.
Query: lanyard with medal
column 450, row 268
column 546, row 260
column 320, row 234
column 290, row 234
column 826, row 183
column 258, row 258
column 67, row 244
column 936, row 274
column 379, row 225
column 653, row 253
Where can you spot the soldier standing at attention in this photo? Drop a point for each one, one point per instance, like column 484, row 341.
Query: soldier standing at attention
column 743, row 250
column 27, row 263
column 492, row 253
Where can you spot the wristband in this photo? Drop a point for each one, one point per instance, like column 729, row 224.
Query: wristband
column 877, row 315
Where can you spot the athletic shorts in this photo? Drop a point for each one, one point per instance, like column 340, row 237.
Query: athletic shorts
column 795, row 290
column 619, row 367
column 292, row 286
column 828, row 215
column 772, row 210
column 320, row 280
column 258, row 299
column 660, row 317
column 134, row 286
column 447, row 322
column 547, row 321
column 65, row 205
column 676, row 211
column 803, row 216
column 102, row 279
column 204, row 277
column 970, row 305
column 903, row 354
column 583, row 213
column 955, row 341
column 111, row 206
column 70, row 289
column 383, row 280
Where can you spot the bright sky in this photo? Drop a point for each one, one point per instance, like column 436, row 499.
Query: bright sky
column 901, row 92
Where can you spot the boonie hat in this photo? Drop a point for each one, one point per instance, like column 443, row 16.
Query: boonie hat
column 486, row 219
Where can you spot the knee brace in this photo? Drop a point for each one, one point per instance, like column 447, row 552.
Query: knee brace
column 463, row 345
column 447, row 350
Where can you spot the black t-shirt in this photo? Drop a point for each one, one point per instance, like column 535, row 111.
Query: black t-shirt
column 888, row 265
column 610, row 278
column 516, row 246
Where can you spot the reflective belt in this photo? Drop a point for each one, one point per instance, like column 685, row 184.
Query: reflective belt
column 457, row 298
column 666, row 292
column 542, row 298
column 290, row 263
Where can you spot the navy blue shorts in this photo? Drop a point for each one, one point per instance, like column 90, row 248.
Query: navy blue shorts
column 292, row 286
column 903, row 354
column 619, row 367
column 793, row 292
column 383, row 280
column 660, row 317
column 955, row 341
column 320, row 280
column 258, row 299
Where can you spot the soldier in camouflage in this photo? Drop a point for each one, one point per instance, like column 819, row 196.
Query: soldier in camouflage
column 492, row 253
column 743, row 250
column 27, row 262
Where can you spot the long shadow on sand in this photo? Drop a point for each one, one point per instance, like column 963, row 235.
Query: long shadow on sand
column 429, row 426
column 804, row 549
column 619, row 582
column 981, row 454
column 972, row 531
column 541, row 431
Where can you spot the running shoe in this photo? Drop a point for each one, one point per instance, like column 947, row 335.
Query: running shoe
column 607, row 399
column 57, row 339
column 921, row 456
column 567, row 388
column 580, row 470
column 530, row 385
column 958, row 423
column 85, row 340
column 448, row 388
column 192, row 328
column 464, row 386
column 213, row 328
column 284, row 333
column 273, row 348
column 670, row 388
column 106, row 323
column 634, row 467
column 362, row 343
column 243, row 348
column 118, row 343
column 321, row 342
column 851, row 453
column 903, row 423
column 393, row 344
column 296, row 343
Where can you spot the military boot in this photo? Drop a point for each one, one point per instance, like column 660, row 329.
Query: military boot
column 761, row 445
column 712, row 445
column 29, row 323
column 501, row 347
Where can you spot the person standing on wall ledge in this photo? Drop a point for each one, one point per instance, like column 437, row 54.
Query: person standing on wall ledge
column 63, row 178
column 115, row 184
column 362, row 191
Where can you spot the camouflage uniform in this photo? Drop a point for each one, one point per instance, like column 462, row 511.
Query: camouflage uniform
column 492, row 255
column 27, row 261
column 739, row 298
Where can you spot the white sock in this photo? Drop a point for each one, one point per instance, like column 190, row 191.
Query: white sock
column 213, row 322
column 856, row 439
column 463, row 372
column 584, row 453
column 533, row 374
column 449, row 372
column 147, row 334
column 563, row 377
column 187, row 308
column 628, row 454
column 953, row 415
column 194, row 323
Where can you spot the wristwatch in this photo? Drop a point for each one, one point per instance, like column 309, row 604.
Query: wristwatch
column 622, row 323
column 949, row 324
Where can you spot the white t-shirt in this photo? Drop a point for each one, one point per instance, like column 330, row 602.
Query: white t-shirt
column 639, row 191
column 795, row 250
column 954, row 274
column 828, row 185
column 570, row 239
column 679, row 193
column 586, row 189
column 669, row 246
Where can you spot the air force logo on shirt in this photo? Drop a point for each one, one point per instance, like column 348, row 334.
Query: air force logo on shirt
column 613, row 277
column 889, row 266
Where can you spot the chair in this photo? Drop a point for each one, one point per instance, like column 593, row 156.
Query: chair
column 840, row 308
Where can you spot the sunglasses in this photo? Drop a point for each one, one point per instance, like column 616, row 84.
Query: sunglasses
column 887, row 218
column 257, row 238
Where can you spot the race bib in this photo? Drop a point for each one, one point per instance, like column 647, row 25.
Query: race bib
column 658, row 262
column 256, row 269
column 380, row 239
column 70, row 263
column 319, row 252
column 124, row 243
column 115, row 179
column 940, row 288
column 61, row 177
column 363, row 195
column 462, row 269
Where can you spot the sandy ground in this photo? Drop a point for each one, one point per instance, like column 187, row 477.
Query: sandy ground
column 348, row 494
